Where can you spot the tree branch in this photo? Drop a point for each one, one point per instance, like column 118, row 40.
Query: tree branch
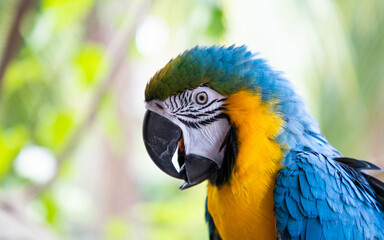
column 14, row 37
column 16, row 225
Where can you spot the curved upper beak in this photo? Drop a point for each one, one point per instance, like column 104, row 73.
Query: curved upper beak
column 161, row 138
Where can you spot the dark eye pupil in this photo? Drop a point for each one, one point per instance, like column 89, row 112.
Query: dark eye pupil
column 201, row 98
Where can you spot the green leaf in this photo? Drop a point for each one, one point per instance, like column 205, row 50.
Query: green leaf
column 67, row 12
column 89, row 63
column 55, row 128
column 117, row 229
column 26, row 69
column 50, row 205
column 216, row 26
column 11, row 142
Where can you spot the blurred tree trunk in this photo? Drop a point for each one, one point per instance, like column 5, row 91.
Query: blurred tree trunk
column 14, row 225
column 14, row 37
column 116, row 191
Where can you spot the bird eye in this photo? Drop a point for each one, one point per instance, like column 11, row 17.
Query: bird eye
column 202, row 98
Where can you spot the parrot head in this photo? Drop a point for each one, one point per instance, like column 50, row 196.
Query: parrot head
column 187, row 110
column 192, row 125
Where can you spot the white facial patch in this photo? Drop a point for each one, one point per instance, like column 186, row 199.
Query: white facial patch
column 199, row 115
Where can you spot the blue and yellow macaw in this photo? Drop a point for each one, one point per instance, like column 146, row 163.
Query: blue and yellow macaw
column 271, row 174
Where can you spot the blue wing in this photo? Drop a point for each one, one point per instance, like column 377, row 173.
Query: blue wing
column 319, row 198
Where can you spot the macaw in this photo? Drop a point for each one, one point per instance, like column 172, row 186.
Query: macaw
column 222, row 114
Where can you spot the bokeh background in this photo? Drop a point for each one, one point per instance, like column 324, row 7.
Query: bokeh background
column 72, row 79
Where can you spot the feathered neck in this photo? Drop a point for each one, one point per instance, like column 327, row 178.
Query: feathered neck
column 249, row 190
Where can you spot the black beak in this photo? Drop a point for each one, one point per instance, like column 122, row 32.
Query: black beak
column 196, row 170
column 161, row 137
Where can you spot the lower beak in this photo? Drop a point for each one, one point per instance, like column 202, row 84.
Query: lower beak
column 197, row 169
column 161, row 137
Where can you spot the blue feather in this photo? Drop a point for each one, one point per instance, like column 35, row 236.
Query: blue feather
column 304, row 186
column 309, row 206
column 325, row 212
column 314, row 229
column 294, row 227
column 293, row 208
column 333, row 230
column 330, row 206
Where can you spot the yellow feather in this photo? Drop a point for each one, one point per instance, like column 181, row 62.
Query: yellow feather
column 243, row 207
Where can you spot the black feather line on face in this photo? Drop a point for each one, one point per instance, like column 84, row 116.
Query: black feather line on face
column 222, row 175
column 170, row 100
column 198, row 115
column 199, row 124
column 188, row 110
column 212, row 102
column 184, row 100
column 209, row 104
column 189, row 124
column 166, row 104
column 190, row 98
column 189, row 115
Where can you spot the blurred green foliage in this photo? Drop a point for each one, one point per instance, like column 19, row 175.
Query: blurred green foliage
column 179, row 217
column 348, row 76
column 53, row 83
column 11, row 142
column 47, row 94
